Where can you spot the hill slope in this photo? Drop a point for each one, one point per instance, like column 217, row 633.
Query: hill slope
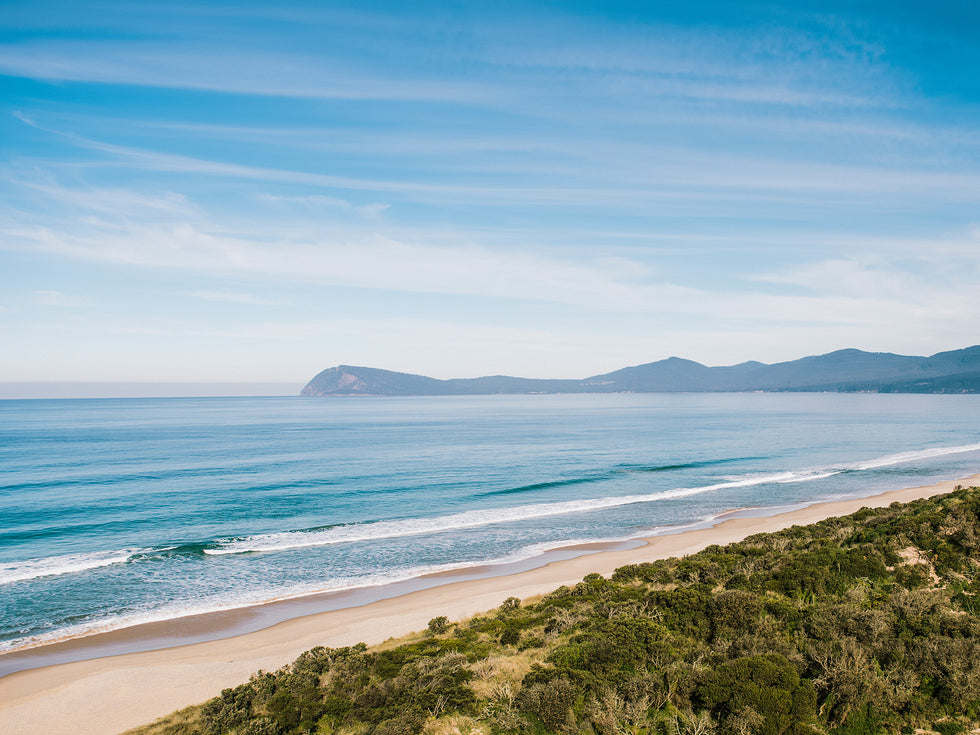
column 864, row 624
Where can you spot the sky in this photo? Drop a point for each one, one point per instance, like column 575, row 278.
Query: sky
column 256, row 191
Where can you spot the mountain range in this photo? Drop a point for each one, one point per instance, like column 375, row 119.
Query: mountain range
column 851, row 370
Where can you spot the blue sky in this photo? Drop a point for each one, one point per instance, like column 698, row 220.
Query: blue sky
column 257, row 191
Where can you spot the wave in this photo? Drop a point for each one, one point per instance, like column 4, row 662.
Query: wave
column 271, row 595
column 901, row 457
column 326, row 536
column 682, row 465
column 378, row 530
column 618, row 470
column 386, row 529
column 73, row 563
column 546, row 485
column 299, row 591
column 21, row 571
column 337, row 585
column 811, row 476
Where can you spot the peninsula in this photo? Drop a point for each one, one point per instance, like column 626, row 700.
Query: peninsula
column 851, row 370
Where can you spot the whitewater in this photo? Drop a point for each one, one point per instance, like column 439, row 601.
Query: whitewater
column 120, row 512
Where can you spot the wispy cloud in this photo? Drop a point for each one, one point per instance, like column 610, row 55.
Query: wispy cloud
column 194, row 67
column 112, row 227
column 321, row 201
column 101, row 200
column 234, row 297
column 747, row 183
column 57, row 299
column 679, row 175
column 372, row 262
column 659, row 61
column 835, row 292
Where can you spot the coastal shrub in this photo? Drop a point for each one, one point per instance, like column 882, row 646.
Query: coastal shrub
column 912, row 576
column 684, row 610
column 439, row 624
column 737, row 582
column 784, row 611
column 409, row 722
column 316, row 660
column 733, row 613
column 229, row 710
column 563, row 619
column 550, row 702
column 821, row 628
column 865, row 721
column 297, row 702
column 261, row 726
column 612, row 652
column 532, row 641
column 767, row 685
column 826, row 570
column 656, row 572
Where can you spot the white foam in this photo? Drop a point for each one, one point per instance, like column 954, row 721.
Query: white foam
column 278, row 594
column 70, row 563
column 19, row 571
column 901, row 457
column 469, row 519
column 266, row 596
column 50, row 566
column 476, row 518
column 811, row 476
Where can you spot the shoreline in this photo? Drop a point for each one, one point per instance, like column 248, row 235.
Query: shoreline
column 239, row 619
column 111, row 682
column 213, row 625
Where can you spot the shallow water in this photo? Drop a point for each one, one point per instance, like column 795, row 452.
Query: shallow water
column 115, row 512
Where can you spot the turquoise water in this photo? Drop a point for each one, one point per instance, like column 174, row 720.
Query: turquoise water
column 116, row 512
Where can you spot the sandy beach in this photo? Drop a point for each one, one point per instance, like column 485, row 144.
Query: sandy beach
column 110, row 694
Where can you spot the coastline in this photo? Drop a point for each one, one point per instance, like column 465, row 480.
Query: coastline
column 113, row 693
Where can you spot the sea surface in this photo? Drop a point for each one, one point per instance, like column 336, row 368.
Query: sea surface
column 121, row 511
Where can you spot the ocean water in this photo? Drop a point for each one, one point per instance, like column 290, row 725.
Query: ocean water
column 122, row 511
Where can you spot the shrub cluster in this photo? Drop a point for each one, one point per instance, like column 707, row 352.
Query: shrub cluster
column 857, row 625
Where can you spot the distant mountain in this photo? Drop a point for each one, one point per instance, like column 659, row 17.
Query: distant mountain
column 842, row 371
column 348, row 380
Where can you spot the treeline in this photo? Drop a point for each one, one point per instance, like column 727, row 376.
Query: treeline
column 862, row 624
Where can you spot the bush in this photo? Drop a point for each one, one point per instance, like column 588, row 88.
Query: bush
column 768, row 685
column 231, row 709
column 550, row 702
column 734, row 612
column 407, row 723
column 749, row 637
column 510, row 637
column 531, row 641
column 438, row 625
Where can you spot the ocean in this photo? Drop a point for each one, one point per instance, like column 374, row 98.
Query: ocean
column 115, row 512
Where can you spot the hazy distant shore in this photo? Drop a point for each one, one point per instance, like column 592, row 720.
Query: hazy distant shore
column 41, row 390
column 145, row 685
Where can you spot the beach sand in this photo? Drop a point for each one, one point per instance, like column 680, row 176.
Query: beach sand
column 108, row 695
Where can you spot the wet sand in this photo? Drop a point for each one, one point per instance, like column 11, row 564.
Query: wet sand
column 96, row 693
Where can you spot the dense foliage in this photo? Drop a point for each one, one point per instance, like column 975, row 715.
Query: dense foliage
column 862, row 624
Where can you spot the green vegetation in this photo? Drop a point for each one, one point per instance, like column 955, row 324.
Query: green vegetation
column 864, row 624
